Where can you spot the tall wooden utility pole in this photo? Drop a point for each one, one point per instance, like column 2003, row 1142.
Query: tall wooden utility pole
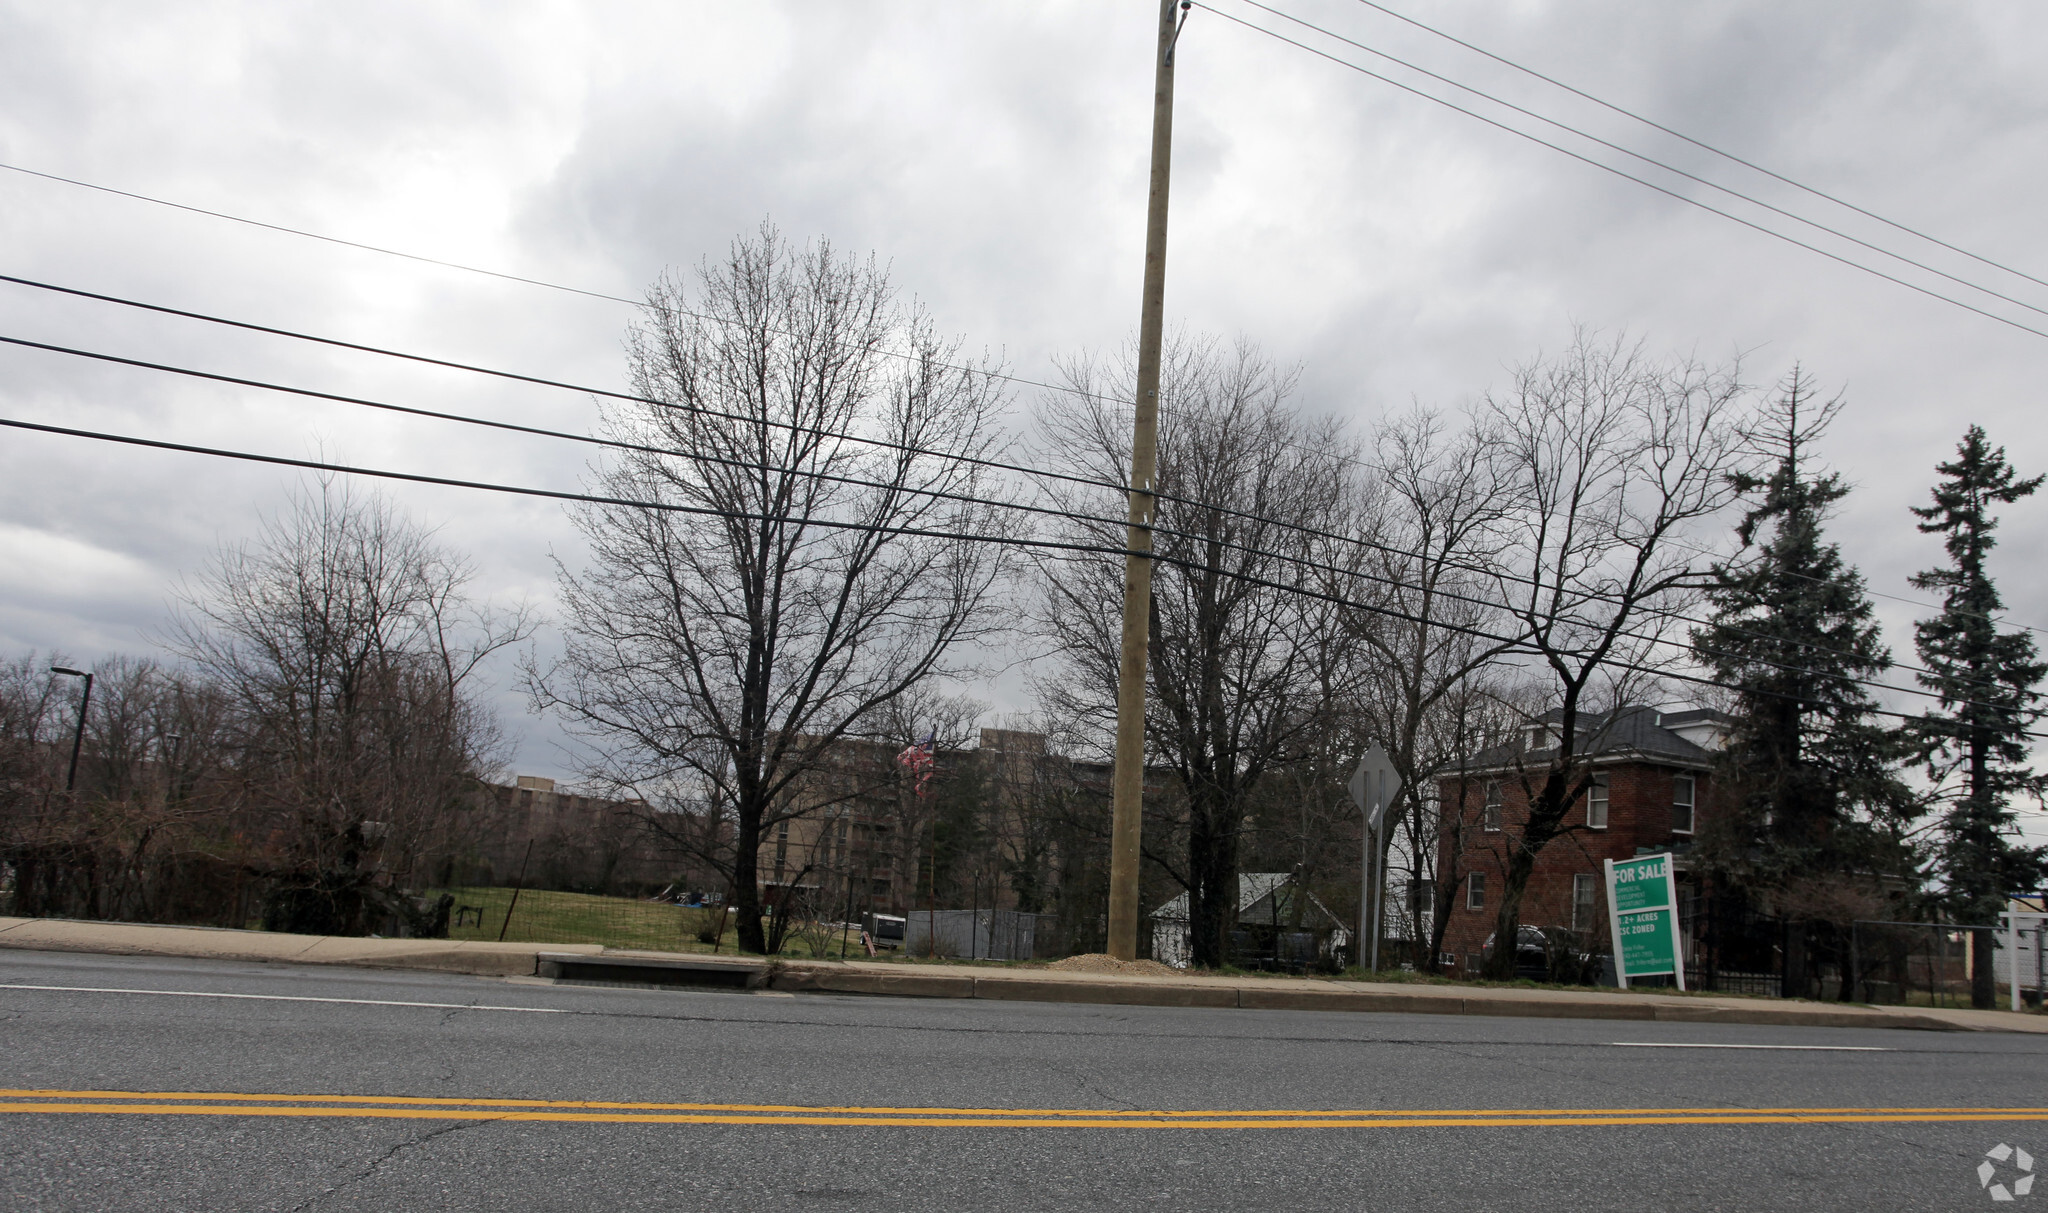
column 1128, row 778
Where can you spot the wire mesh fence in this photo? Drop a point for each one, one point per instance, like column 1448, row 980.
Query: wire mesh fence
column 1914, row 963
column 980, row 934
column 655, row 924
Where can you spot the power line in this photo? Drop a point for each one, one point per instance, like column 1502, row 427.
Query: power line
column 907, row 448
column 1098, row 520
column 1299, row 561
column 310, row 235
column 1650, row 160
column 453, row 265
column 650, row 449
column 549, row 494
column 1672, row 194
column 539, row 381
column 841, row 524
column 1008, row 378
column 1703, row 146
column 1608, row 168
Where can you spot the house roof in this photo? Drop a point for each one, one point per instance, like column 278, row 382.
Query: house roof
column 1630, row 732
column 1259, row 898
column 1251, row 886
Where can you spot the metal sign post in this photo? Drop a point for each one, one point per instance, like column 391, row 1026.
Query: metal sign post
column 2012, row 948
column 1642, row 918
column 1374, row 785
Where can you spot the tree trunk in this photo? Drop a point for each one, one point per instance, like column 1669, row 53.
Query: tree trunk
column 1984, row 970
column 746, row 887
column 1212, row 880
column 1536, row 834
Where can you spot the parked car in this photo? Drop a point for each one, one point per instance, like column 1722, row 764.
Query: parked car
column 1532, row 953
column 1551, row 954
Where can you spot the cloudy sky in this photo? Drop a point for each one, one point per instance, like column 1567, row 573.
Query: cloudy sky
column 994, row 155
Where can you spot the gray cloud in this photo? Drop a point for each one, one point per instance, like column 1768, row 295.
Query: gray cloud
column 994, row 155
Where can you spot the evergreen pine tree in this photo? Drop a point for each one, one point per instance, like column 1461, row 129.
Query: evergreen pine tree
column 1975, row 744
column 1807, row 781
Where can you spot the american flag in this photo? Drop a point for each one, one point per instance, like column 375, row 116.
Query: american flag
column 918, row 759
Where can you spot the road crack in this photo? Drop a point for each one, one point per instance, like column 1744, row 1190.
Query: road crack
column 377, row 1164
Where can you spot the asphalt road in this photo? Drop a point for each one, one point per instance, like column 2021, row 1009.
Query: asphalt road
column 826, row 1103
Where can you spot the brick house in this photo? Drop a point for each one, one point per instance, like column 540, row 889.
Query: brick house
column 1651, row 791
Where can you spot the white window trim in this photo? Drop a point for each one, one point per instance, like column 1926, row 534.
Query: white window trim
column 1475, row 886
column 1691, row 803
column 1601, row 784
column 1491, row 815
column 1585, row 880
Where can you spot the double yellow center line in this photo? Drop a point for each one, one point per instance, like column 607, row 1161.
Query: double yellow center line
column 412, row 1107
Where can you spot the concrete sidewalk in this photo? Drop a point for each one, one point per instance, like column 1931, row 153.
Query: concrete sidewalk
column 990, row 982
column 219, row 943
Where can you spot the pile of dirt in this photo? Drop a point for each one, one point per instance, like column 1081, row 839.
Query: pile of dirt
column 1103, row 962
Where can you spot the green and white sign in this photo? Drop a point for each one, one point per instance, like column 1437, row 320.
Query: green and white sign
column 1642, row 916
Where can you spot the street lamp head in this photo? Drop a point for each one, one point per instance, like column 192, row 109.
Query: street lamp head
column 65, row 669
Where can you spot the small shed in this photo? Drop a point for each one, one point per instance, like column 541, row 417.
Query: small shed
column 1280, row 925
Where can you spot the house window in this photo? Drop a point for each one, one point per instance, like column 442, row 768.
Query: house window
column 1489, row 817
column 1682, row 804
column 1596, row 802
column 1584, row 900
column 1475, row 891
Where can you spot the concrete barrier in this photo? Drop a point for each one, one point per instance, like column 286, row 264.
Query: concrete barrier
column 629, row 969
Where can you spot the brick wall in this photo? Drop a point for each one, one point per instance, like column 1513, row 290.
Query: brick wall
column 1639, row 815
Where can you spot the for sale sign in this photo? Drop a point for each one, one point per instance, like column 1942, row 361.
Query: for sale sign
column 1642, row 915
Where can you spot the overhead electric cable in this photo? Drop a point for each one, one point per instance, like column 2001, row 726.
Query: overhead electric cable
column 1704, row 146
column 1008, row 378
column 453, row 265
column 537, row 431
column 840, row 524
column 539, row 381
column 1298, row 561
column 1608, row 168
column 648, row 448
column 1650, row 160
column 141, row 197
column 311, row 235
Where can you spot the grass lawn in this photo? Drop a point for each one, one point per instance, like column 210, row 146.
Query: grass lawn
column 546, row 916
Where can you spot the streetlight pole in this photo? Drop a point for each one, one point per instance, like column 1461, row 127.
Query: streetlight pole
column 1127, row 777
column 77, row 738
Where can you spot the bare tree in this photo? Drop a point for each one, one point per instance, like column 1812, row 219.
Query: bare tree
column 1488, row 711
column 1426, row 626
column 346, row 645
column 788, row 582
column 37, row 825
column 154, row 794
column 1614, row 456
column 1239, row 656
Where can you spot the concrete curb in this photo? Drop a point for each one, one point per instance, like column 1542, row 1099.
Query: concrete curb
column 1309, row 995
column 1030, row 985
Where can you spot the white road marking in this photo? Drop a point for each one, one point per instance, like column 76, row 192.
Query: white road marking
column 1660, row 1044
column 360, row 1002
